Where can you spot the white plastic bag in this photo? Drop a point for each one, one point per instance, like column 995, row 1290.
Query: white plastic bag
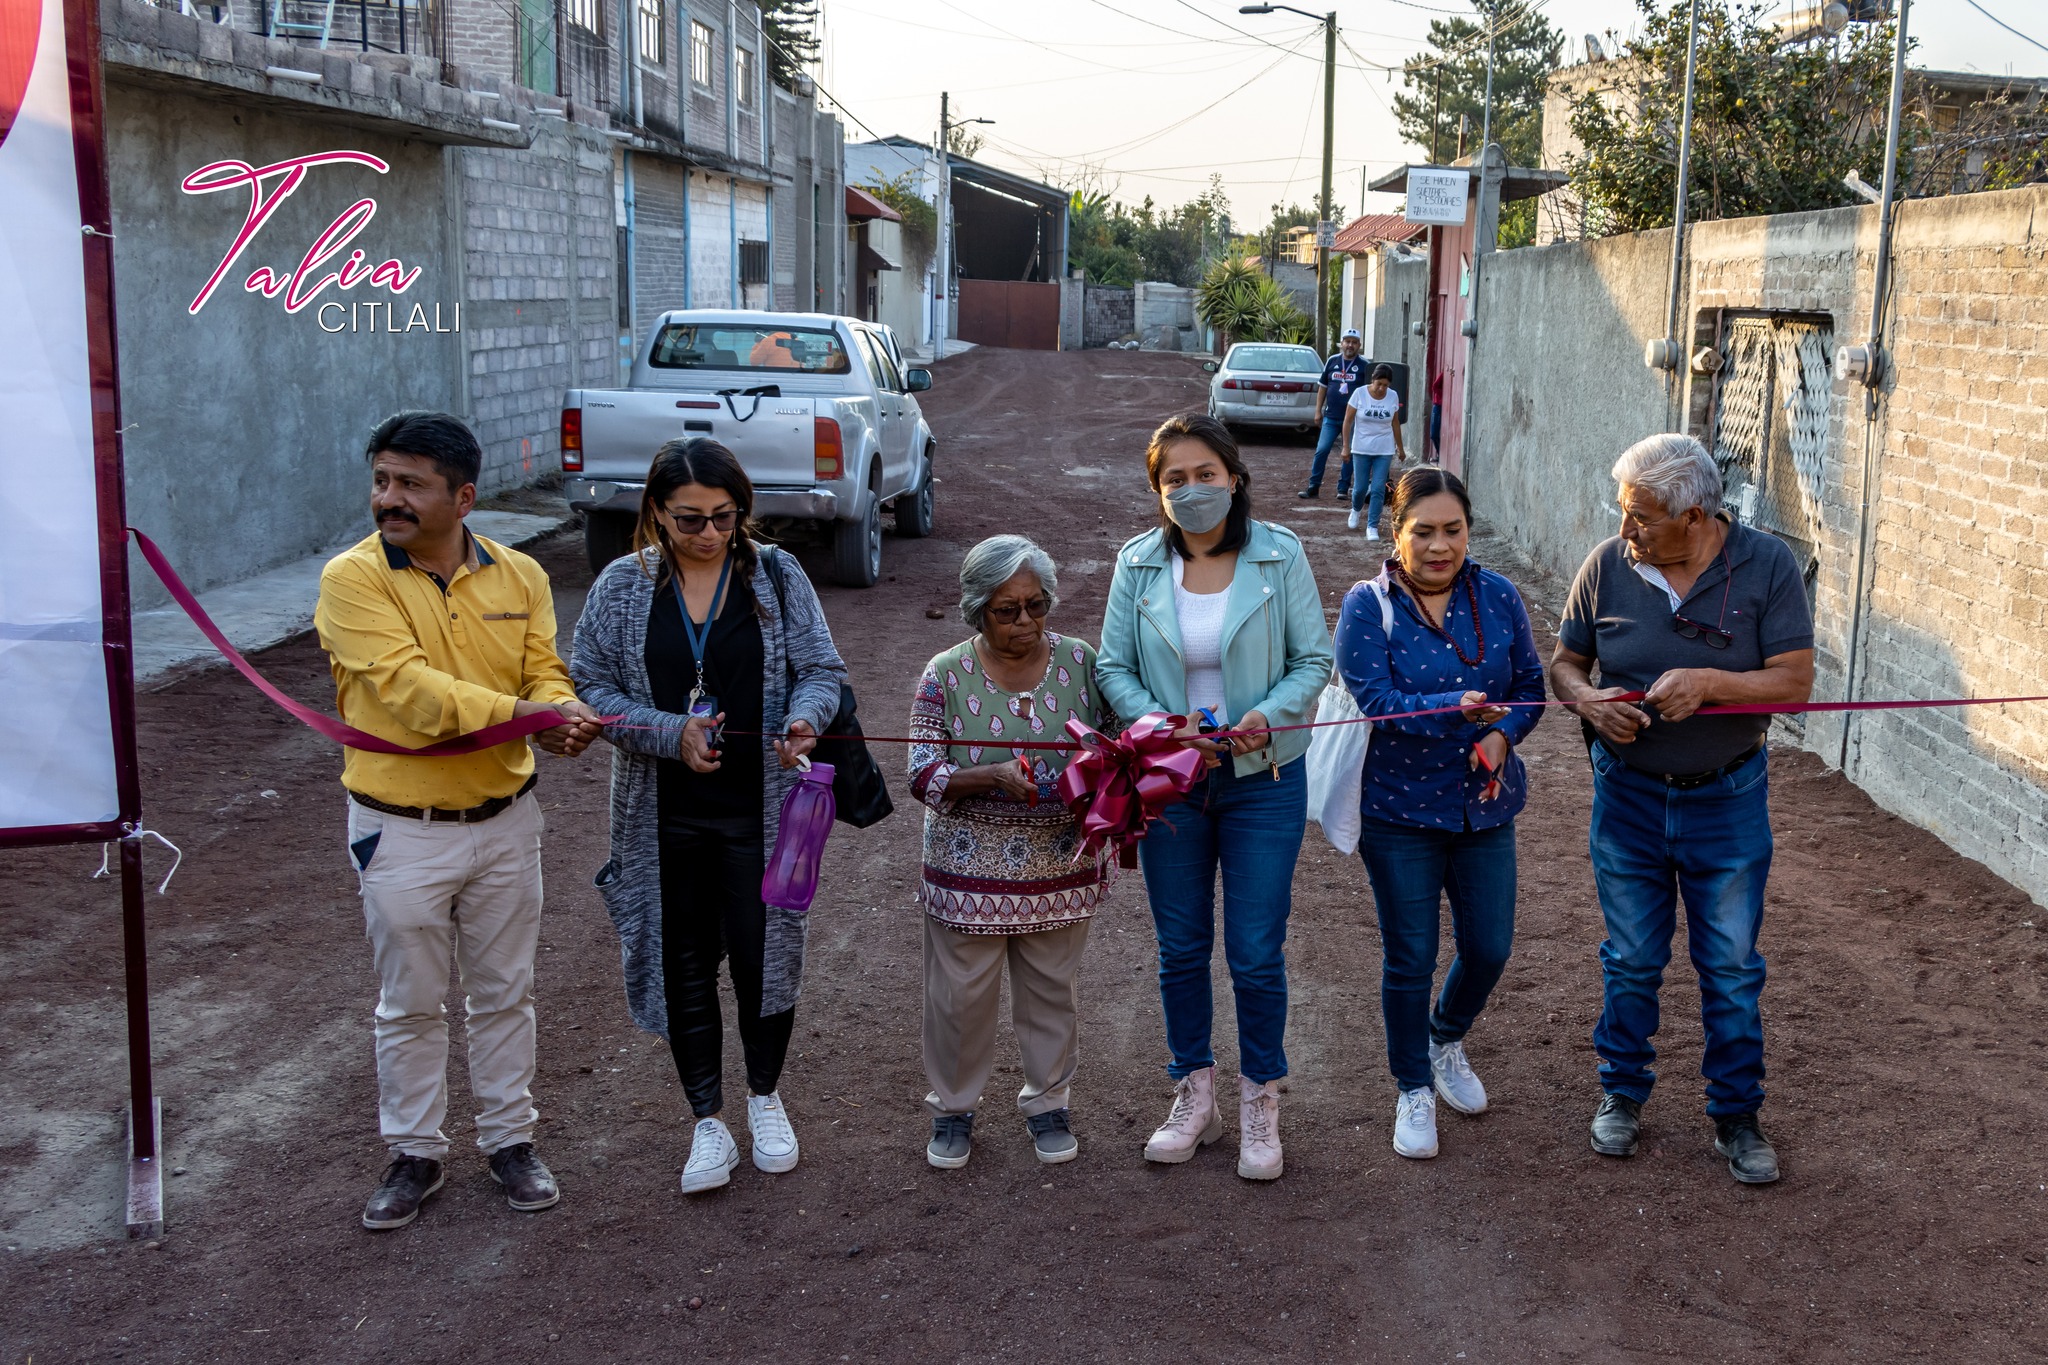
column 1336, row 754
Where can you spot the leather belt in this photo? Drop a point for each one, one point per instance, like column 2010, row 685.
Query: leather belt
column 1681, row 782
column 497, row 805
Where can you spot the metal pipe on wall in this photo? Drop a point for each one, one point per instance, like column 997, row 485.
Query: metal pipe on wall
column 1872, row 377
column 1674, row 352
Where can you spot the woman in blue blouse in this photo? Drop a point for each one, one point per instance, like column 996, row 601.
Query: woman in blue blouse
column 1440, row 792
column 1216, row 611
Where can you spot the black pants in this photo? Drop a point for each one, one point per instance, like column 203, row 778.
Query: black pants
column 710, row 910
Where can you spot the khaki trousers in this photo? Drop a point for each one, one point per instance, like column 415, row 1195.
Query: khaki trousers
column 963, row 976
column 475, row 890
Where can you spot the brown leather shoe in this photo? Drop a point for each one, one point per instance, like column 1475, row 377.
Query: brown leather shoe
column 529, row 1184
column 408, row 1182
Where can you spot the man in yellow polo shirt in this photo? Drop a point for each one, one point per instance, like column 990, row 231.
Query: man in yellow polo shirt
column 435, row 632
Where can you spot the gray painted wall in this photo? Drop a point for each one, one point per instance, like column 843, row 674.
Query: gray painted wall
column 1557, row 388
column 246, row 424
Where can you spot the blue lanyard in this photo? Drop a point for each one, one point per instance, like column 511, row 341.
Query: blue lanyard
column 700, row 642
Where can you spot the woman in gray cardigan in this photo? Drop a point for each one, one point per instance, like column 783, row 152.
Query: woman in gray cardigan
column 698, row 630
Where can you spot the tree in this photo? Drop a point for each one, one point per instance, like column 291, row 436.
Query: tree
column 1118, row 244
column 960, row 142
column 920, row 221
column 792, row 30
column 1776, row 126
column 1448, row 81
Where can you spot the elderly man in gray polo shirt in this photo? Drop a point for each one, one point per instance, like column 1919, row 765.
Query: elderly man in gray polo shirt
column 1689, row 608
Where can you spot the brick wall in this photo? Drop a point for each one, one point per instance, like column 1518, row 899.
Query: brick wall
column 541, row 316
column 659, row 245
column 479, row 35
column 1954, row 588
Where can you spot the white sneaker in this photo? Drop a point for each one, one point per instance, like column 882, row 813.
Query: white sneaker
column 713, row 1154
column 1454, row 1079
column 774, row 1139
column 1415, row 1124
column 1372, row 533
column 1352, row 520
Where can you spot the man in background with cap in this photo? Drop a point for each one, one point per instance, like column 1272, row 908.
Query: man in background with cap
column 1342, row 373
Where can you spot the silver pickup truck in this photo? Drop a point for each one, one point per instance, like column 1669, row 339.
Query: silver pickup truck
column 817, row 408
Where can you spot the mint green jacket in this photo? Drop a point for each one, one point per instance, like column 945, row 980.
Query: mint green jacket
column 1276, row 647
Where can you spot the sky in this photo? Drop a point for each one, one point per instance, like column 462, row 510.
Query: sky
column 1148, row 97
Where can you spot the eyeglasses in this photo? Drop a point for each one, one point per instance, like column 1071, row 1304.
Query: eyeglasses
column 1007, row 614
column 692, row 523
column 1642, row 522
column 1713, row 636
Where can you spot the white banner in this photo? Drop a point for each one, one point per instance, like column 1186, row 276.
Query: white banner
column 59, row 765
column 1436, row 195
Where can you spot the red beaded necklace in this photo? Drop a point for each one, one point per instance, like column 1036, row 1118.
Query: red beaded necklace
column 1471, row 596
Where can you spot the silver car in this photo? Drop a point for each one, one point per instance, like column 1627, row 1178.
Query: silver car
column 1265, row 384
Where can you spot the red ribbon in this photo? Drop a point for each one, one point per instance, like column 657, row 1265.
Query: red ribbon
column 519, row 727
column 1117, row 787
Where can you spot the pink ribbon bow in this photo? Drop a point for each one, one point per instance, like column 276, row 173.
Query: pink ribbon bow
column 1118, row 786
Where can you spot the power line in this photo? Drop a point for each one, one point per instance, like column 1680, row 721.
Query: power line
column 2007, row 27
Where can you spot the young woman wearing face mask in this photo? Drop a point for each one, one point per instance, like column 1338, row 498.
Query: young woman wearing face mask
column 1215, row 610
column 1440, row 792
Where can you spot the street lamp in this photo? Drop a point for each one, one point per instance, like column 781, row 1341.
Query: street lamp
column 1325, row 208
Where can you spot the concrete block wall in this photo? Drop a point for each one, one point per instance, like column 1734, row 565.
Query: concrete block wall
column 1403, row 301
column 1108, row 314
column 1155, row 304
column 1954, row 593
column 539, row 255
column 712, row 265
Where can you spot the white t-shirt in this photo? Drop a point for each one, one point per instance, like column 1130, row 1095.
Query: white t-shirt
column 1372, row 430
column 1201, row 642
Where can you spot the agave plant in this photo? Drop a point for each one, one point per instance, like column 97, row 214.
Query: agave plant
column 1229, row 299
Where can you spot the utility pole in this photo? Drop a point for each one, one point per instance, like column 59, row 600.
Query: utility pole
column 1329, row 204
column 1436, row 115
column 1326, row 206
column 942, row 196
column 1486, row 118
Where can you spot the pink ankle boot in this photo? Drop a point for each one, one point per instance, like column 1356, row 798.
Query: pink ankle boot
column 1258, row 1130
column 1193, row 1121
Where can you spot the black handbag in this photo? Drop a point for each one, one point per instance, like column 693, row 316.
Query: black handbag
column 858, row 791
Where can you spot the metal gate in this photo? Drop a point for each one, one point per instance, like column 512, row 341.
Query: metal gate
column 1771, row 424
column 1019, row 314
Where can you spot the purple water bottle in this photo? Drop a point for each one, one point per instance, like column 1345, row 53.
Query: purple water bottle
column 791, row 881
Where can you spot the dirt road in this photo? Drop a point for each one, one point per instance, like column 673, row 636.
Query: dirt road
column 1904, row 1016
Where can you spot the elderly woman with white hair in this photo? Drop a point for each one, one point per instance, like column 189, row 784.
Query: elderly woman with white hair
column 1001, row 880
column 1688, row 608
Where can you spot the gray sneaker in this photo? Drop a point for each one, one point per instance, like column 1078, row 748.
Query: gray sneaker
column 952, row 1141
column 1051, row 1137
column 1751, row 1158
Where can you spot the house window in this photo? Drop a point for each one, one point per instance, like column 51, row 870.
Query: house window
column 753, row 262
column 653, row 25
column 703, row 43
column 743, row 76
column 586, row 15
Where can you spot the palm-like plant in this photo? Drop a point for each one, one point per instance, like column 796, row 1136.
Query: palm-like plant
column 1245, row 304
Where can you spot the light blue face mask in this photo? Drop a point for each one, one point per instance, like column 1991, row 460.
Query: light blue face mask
column 1199, row 508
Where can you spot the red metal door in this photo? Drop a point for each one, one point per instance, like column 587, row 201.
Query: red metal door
column 1018, row 314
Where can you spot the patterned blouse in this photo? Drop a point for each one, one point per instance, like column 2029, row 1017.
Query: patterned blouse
column 994, row 864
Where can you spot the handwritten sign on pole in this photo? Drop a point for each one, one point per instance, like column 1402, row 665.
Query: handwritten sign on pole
column 1436, row 195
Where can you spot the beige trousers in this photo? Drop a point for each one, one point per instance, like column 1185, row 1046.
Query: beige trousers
column 963, row 975
column 473, row 890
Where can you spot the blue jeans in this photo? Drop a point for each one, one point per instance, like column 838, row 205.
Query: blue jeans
column 1326, row 441
column 1252, row 827
column 1369, row 477
column 1712, row 845
column 1411, row 867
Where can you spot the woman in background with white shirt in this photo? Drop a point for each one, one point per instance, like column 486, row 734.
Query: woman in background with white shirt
column 1372, row 433
column 1214, row 610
